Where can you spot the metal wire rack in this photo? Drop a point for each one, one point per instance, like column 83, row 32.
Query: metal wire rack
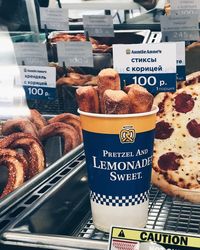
column 165, row 214
column 23, row 198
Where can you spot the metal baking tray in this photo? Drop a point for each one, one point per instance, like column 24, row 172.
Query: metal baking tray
column 61, row 217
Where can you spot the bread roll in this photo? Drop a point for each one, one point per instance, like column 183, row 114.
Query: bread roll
column 140, row 99
column 115, row 102
column 107, row 79
column 88, row 100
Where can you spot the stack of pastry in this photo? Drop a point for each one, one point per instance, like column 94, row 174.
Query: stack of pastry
column 65, row 37
column 77, row 79
column 109, row 98
column 21, row 149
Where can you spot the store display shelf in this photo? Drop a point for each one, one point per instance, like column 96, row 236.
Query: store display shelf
column 66, row 216
column 120, row 36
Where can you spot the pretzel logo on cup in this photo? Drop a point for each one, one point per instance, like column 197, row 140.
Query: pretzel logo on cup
column 127, row 134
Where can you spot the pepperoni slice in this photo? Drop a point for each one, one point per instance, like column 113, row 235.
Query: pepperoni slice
column 184, row 103
column 163, row 130
column 169, row 161
column 194, row 128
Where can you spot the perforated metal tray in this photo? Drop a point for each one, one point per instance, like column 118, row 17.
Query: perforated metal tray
column 66, row 217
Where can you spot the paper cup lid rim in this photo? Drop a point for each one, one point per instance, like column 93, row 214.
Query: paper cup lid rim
column 153, row 111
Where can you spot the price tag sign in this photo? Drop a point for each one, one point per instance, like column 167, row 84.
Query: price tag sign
column 147, row 65
column 186, row 12
column 179, row 28
column 99, row 25
column 54, row 18
column 152, row 239
column 31, row 54
column 185, row 4
column 39, row 82
column 180, row 61
column 75, row 54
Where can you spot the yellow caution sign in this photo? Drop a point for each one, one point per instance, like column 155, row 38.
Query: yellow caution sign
column 165, row 237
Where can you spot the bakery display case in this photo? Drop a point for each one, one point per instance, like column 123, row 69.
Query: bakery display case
column 52, row 210
column 66, row 219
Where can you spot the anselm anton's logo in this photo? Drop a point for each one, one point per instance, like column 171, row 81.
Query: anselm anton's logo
column 127, row 134
column 128, row 51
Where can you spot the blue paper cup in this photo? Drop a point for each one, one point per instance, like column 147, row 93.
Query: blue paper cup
column 118, row 150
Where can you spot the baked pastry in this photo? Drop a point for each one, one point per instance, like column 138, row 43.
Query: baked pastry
column 193, row 45
column 87, row 99
column 68, row 133
column 176, row 161
column 37, row 119
column 19, row 125
column 101, row 48
column 16, row 165
column 140, row 99
column 107, row 79
column 32, row 150
column 116, row 102
column 76, row 79
column 71, row 119
column 97, row 47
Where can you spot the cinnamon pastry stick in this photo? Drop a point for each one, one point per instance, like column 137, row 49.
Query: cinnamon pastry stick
column 108, row 79
column 87, row 98
column 115, row 102
column 140, row 99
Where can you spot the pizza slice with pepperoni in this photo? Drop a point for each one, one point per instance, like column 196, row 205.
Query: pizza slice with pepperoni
column 176, row 160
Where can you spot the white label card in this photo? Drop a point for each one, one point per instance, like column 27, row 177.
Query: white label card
column 179, row 27
column 184, row 4
column 99, row 25
column 38, row 76
column 180, row 61
column 75, row 54
column 186, row 12
column 31, row 54
column 180, row 53
column 147, row 65
column 54, row 18
column 38, row 82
